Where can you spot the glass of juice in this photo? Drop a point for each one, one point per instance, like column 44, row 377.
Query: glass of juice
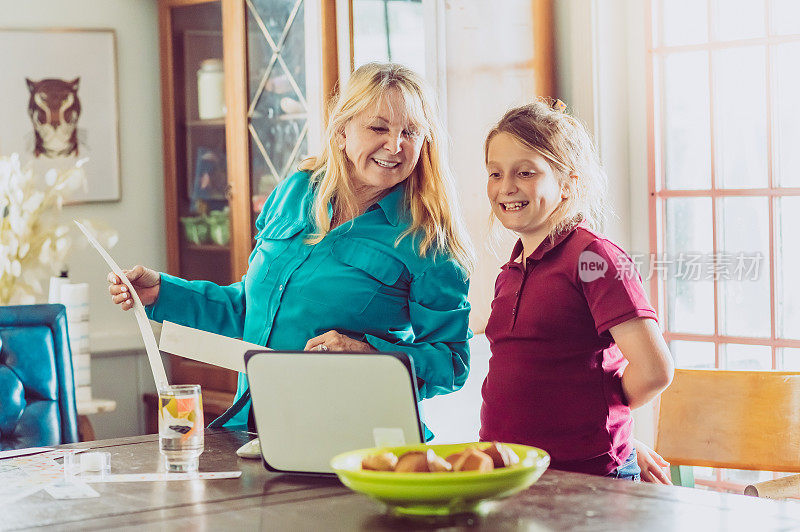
column 180, row 426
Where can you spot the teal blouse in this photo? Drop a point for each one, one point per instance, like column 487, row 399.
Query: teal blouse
column 358, row 281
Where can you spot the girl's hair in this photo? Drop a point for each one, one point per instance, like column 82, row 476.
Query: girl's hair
column 564, row 141
column 429, row 192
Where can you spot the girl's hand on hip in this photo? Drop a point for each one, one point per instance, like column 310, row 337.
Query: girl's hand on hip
column 651, row 464
column 333, row 341
column 145, row 281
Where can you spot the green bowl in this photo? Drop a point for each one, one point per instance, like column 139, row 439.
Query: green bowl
column 440, row 493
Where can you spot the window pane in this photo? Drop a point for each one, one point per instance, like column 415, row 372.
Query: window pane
column 742, row 267
column 740, row 122
column 708, row 473
column 788, row 359
column 788, row 251
column 690, row 296
column 692, row 355
column 407, row 34
column 369, row 32
column 785, row 16
column 738, row 19
column 745, row 357
column 680, row 28
column 686, row 121
column 786, row 113
column 743, row 477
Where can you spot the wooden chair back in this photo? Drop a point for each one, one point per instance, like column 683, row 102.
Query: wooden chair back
column 731, row 419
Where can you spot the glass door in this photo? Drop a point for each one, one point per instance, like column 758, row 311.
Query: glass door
column 199, row 142
column 279, row 111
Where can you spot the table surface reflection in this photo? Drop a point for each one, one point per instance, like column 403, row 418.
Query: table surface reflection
column 269, row 501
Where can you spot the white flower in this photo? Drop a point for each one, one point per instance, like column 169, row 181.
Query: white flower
column 46, row 252
column 16, row 220
column 12, row 246
column 33, row 203
column 50, row 177
column 32, row 241
column 62, row 244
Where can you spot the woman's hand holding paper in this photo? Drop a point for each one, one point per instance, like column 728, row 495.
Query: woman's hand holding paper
column 145, row 281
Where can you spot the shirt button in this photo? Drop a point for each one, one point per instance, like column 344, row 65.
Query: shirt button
column 513, row 311
column 280, row 287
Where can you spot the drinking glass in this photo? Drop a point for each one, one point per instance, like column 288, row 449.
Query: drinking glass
column 180, row 426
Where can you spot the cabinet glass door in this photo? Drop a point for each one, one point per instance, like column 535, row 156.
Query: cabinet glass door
column 199, row 142
column 278, row 112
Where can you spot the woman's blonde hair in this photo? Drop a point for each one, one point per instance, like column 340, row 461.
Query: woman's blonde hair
column 429, row 192
column 564, row 141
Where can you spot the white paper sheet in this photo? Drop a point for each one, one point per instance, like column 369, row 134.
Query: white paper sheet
column 158, row 477
column 21, row 476
column 156, row 365
column 71, row 489
column 22, row 452
column 204, row 346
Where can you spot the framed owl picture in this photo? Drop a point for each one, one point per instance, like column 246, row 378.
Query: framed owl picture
column 59, row 104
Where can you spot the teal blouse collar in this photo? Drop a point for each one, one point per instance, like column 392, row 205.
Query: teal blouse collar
column 392, row 204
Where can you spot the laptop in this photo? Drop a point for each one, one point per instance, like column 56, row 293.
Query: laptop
column 310, row 406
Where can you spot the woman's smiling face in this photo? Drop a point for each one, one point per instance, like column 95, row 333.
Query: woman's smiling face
column 382, row 145
column 523, row 188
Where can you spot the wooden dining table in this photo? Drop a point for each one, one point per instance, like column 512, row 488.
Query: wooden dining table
column 263, row 500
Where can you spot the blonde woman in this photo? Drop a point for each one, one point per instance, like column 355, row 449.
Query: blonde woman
column 575, row 343
column 361, row 250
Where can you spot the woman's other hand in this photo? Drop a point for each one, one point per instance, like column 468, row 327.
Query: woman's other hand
column 145, row 281
column 333, row 341
column 654, row 468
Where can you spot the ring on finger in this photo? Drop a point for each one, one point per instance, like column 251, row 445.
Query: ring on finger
column 323, row 347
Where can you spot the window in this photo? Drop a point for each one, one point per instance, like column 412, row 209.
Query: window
column 389, row 30
column 724, row 174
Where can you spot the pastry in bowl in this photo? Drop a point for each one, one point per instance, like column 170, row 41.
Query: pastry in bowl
column 423, row 485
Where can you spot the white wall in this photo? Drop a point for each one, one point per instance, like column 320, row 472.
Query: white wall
column 139, row 216
column 489, row 58
column 600, row 53
column 117, row 366
column 490, row 54
column 601, row 45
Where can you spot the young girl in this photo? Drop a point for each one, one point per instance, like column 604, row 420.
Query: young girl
column 575, row 343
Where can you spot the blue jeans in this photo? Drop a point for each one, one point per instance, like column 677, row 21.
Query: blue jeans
column 629, row 470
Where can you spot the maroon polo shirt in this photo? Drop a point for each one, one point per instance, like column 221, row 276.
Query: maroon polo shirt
column 555, row 375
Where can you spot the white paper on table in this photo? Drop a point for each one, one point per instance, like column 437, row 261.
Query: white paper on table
column 204, row 346
column 156, row 365
column 13, row 493
column 22, row 452
column 158, row 477
column 71, row 489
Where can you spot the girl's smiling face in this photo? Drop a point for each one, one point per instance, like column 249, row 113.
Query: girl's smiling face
column 523, row 188
column 382, row 145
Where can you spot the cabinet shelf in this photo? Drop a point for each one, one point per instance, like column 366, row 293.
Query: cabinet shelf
column 207, row 247
column 216, row 122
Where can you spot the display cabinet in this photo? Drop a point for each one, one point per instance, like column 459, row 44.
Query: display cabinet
column 244, row 85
